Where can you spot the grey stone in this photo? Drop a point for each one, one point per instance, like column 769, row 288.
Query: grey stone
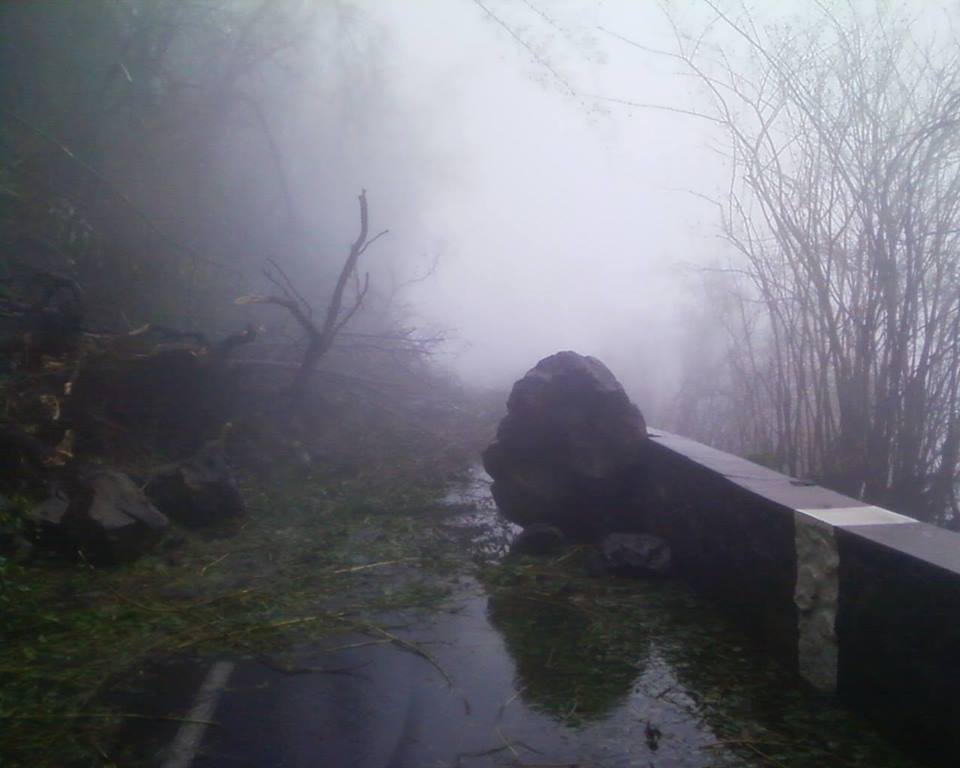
column 635, row 555
column 110, row 519
column 198, row 492
column 49, row 512
column 102, row 514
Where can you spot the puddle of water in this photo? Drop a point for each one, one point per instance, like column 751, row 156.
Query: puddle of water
column 547, row 668
column 646, row 673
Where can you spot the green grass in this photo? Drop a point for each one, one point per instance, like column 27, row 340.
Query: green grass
column 292, row 571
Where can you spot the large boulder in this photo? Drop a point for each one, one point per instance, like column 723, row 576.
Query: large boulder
column 567, row 453
column 103, row 515
column 199, row 492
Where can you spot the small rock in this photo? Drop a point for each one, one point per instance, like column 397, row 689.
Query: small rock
column 110, row 518
column 538, row 539
column 634, row 554
column 652, row 736
column 198, row 492
column 49, row 512
column 102, row 514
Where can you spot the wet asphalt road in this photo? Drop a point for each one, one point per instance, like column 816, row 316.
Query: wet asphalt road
column 381, row 706
column 516, row 679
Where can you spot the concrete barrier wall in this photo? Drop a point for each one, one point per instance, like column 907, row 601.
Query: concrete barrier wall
column 861, row 601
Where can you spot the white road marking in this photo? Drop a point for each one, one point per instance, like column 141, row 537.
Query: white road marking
column 187, row 742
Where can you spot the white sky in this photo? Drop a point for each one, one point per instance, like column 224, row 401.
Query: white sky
column 560, row 224
column 561, row 220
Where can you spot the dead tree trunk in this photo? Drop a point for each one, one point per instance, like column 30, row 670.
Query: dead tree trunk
column 320, row 336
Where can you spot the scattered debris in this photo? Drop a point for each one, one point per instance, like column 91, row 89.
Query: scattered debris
column 652, row 736
column 199, row 492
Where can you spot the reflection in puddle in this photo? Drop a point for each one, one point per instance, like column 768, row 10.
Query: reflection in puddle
column 645, row 673
column 564, row 666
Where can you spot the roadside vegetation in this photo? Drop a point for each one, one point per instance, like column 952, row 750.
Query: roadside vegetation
column 183, row 264
column 317, row 555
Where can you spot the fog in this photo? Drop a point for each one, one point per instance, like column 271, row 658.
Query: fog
column 734, row 207
column 559, row 219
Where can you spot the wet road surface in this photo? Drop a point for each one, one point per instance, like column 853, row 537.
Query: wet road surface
column 511, row 679
column 379, row 705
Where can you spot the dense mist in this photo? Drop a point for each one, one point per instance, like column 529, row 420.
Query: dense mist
column 559, row 219
column 679, row 189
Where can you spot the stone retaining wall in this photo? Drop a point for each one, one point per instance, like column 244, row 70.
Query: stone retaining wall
column 860, row 600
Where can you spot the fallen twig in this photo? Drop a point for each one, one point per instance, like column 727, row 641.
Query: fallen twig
column 356, row 568
column 507, row 744
column 510, row 701
column 260, row 628
column 407, row 645
column 764, row 755
column 563, row 558
column 275, row 667
column 745, row 742
column 362, row 644
column 203, row 571
column 108, row 716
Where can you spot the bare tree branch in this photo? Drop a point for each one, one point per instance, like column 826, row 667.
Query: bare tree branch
column 321, row 338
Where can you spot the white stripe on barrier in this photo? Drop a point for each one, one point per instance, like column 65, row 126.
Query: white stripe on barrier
column 865, row 515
